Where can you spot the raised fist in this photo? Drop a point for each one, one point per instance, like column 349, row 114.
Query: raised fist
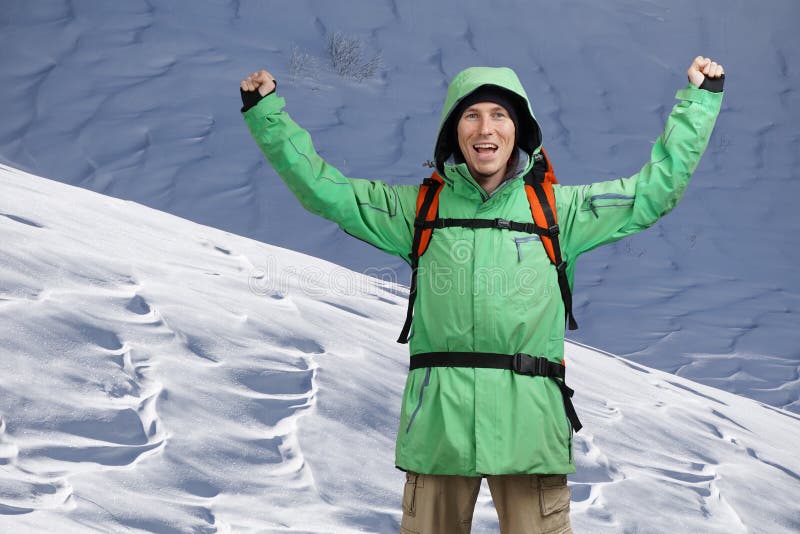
column 261, row 80
column 703, row 67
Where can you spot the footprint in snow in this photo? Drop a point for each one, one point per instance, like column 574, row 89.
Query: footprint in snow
column 138, row 305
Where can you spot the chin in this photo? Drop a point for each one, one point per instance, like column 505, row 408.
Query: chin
column 487, row 171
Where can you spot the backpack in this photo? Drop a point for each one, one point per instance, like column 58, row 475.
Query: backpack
column 539, row 190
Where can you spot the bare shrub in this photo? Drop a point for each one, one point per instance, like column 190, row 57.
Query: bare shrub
column 346, row 56
column 302, row 64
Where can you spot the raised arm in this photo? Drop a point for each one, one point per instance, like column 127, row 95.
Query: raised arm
column 370, row 210
column 604, row 212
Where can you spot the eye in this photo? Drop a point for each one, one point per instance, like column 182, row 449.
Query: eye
column 499, row 115
column 471, row 115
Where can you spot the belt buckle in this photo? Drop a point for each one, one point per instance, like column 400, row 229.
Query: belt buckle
column 502, row 223
column 524, row 364
column 540, row 366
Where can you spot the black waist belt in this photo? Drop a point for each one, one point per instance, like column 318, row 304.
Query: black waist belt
column 520, row 363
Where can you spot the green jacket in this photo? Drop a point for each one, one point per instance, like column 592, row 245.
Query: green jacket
column 487, row 290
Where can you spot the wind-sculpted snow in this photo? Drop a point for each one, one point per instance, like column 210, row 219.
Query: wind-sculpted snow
column 161, row 376
column 150, row 382
column 139, row 100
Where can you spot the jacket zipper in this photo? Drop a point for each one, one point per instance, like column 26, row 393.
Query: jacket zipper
column 484, row 195
column 479, row 189
column 421, row 393
column 569, row 443
column 607, row 196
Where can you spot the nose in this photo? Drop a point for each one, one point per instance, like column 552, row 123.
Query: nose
column 485, row 126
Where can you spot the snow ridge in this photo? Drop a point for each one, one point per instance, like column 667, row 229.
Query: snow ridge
column 162, row 376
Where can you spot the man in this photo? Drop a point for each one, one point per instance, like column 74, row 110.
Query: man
column 488, row 292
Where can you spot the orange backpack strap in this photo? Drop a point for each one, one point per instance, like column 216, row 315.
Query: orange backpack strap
column 427, row 210
column 539, row 190
column 548, row 175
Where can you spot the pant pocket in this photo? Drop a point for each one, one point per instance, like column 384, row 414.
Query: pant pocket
column 413, row 481
column 553, row 494
column 410, row 524
column 554, row 500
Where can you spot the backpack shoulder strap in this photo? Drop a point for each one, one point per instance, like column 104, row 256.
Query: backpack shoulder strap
column 539, row 190
column 543, row 169
column 427, row 210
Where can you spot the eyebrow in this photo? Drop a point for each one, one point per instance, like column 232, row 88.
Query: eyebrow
column 495, row 108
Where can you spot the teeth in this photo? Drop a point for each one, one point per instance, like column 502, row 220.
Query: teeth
column 486, row 145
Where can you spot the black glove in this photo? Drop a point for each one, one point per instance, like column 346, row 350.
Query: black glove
column 713, row 84
column 251, row 98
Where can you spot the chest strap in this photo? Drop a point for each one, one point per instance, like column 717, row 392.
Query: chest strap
column 502, row 224
column 520, row 363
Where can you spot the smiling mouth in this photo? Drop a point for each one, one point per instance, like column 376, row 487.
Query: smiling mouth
column 482, row 148
column 485, row 148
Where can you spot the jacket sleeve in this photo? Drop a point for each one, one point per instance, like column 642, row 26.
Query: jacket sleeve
column 604, row 212
column 370, row 210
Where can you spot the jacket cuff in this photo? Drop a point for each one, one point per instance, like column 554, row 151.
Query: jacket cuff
column 263, row 113
column 270, row 104
column 692, row 93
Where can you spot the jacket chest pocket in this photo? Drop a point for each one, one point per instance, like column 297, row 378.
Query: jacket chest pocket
column 523, row 248
column 532, row 276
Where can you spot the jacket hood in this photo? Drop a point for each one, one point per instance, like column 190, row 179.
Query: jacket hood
column 529, row 138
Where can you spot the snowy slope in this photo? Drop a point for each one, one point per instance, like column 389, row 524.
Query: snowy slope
column 138, row 100
column 161, row 376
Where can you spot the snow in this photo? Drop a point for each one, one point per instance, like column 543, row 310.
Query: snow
column 139, row 100
column 161, row 375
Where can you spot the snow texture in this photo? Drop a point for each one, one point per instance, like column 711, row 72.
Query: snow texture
column 159, row 375
column 163, row 376
column 139, row 100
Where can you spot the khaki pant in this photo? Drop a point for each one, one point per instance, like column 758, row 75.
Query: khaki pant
column 526, row 504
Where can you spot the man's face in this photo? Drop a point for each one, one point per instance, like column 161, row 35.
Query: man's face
column 486, row 138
